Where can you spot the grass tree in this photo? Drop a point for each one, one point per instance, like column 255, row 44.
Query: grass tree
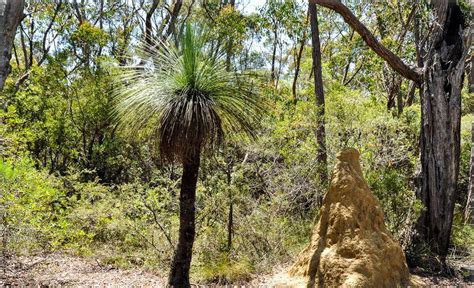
column 191, row 101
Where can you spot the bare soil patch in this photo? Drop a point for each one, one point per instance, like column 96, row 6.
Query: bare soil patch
column 60, row 270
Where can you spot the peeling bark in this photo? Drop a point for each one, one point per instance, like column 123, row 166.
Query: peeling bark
column 441, row 124
column 11, row 13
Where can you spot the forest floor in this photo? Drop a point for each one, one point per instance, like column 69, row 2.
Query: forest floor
column 60, row 270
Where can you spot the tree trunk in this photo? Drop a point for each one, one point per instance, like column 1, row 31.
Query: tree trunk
column 469, row 71
column 392, row 88
column 275, row 44
column 11, row 13
column 441, row 121
column 297, row 67
column 230, row 44
column 228, row 54
column 171, row 30
column 399, row 98
column 230, row 220
column 441, row 83
column 319, row 93
column 411, row 94
column 469, row 212
column 148, row 24
column 179, row 276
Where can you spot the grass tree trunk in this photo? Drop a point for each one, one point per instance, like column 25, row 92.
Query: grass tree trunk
column 11, row 12
column 441, row 121
column 319, row 93
column 179, row 276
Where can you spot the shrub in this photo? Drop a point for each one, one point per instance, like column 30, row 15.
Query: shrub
column 225, row 270
column 35, row 210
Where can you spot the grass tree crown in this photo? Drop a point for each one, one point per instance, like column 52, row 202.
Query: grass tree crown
column 185, row 92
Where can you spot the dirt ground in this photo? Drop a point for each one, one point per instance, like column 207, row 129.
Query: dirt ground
column 60, row 270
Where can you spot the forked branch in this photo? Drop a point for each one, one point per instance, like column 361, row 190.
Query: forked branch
column 393, row 60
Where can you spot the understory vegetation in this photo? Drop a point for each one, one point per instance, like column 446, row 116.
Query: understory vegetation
column 134, row 223
column 71, row 180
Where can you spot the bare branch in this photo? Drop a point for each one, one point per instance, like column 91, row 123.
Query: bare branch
column 393, row 60
column 45, row 35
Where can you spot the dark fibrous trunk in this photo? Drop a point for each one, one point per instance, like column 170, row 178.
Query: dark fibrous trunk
column 179, row 276
column 441, row 120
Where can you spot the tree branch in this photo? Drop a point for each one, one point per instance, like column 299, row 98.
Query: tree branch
column 148, row 26
column 45, row 35
column 393, row 60
column 174, row 18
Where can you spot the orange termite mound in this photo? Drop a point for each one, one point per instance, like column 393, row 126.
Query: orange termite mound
column 350, row 246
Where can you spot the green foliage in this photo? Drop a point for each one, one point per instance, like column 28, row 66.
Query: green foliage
column 226, row 271
column 88, row 33
column 35, row 210
column 465, row 159
column 232, row 25
column 71, row 180
column 188, row 95
column 130, row 224
column 462, row 233
column 398, row 201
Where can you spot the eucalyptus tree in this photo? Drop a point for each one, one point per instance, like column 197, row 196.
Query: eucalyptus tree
column 11, row 13
column 278, row 16
column 319, row 95
column 191, row 100
column 443, row 55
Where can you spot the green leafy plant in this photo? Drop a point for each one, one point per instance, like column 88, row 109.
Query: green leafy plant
column 191, row 100
column 34, row 210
